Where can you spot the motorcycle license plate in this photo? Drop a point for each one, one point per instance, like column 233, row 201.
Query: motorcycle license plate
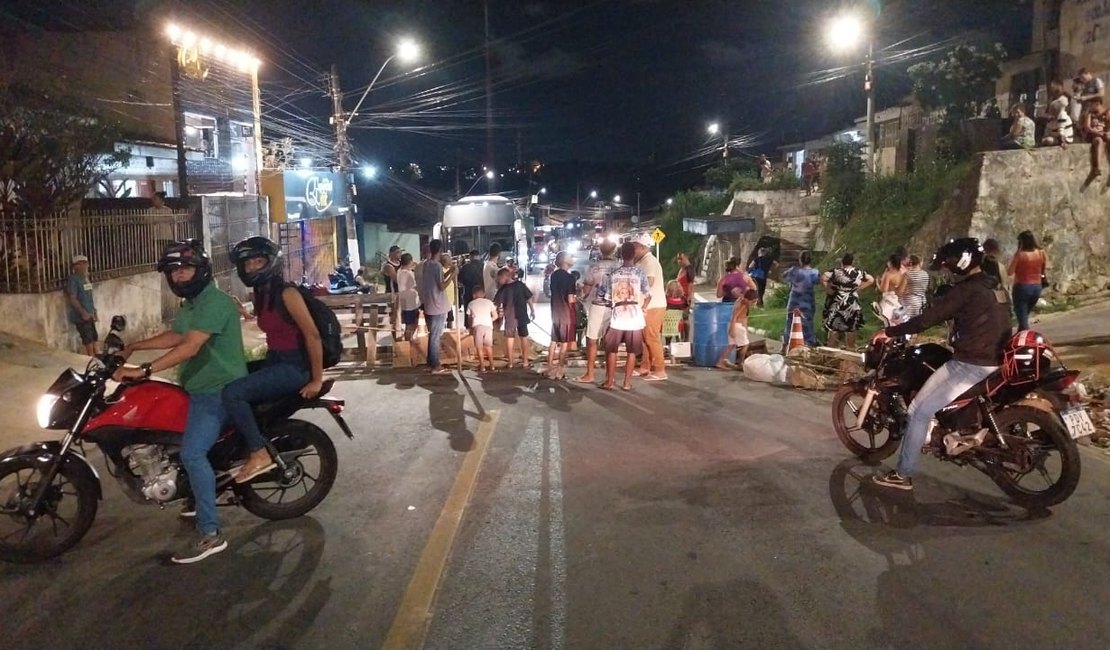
column 1078, row 422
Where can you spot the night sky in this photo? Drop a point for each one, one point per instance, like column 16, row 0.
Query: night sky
column 604, row 80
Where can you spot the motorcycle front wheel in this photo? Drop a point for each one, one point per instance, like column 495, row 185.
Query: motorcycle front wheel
column 311, row 468
column 874, row 441
column 65, row 515
column 1042, row 466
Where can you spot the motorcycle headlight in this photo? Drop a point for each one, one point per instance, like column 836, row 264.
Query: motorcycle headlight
column 44, row 408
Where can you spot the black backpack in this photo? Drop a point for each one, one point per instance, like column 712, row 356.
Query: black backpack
column 331, row 337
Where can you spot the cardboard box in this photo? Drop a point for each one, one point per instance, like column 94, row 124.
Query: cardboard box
column 402, row 354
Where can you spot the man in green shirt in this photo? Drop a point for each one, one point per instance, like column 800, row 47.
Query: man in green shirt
column 206, row 343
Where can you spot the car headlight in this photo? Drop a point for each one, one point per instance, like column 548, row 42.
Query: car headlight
column 543, row 257
column 43, row 409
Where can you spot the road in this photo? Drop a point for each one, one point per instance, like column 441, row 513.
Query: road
column 702, row 512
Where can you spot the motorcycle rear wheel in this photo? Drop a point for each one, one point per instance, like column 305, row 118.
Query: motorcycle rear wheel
column 867, row 443
column 312, row 465
column 26, row 539
column 1049, row 436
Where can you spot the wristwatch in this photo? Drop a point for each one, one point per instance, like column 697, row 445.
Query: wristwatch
column 146, row 370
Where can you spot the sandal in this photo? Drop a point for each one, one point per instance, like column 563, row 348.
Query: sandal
column 253, row 469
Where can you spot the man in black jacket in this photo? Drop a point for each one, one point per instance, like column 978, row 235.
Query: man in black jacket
column 980, row 312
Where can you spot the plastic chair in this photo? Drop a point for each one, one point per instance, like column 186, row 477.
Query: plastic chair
column 671, row 319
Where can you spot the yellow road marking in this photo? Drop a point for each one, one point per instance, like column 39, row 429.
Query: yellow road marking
column 410, row 625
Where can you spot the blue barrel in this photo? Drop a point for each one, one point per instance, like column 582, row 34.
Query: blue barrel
column 710, row 331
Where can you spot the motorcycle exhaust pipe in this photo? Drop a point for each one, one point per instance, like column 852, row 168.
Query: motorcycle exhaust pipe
column 867, row 399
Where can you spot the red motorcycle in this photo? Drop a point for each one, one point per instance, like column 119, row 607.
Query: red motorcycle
column 49, row 491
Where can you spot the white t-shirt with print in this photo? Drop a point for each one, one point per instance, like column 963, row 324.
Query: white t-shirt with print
column 627, row 287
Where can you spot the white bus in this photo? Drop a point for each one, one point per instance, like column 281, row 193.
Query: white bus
column 475, row 222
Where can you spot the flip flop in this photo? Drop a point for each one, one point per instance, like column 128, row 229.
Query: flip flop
column 626, row 387
column 605, row 386
column 583, row 380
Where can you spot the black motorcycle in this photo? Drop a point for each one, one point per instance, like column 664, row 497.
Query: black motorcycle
column 1018, row 428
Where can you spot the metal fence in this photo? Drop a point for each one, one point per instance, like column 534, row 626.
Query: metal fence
column 36, row 254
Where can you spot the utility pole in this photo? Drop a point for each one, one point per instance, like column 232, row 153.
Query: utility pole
column 489, row 98
column 348, row 244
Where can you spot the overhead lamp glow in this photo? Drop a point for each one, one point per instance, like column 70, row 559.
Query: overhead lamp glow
column 205, row 45
column 670, row 201
column 490, row 174
column 408, row 50
column 306, row 163
column 593, row 194
column 845, row 32
column 188, row 39
column 617, row 199
column 173, row 32
column 369, row 171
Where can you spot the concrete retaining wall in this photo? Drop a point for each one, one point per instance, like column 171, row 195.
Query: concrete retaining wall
column 42, row 317
column 1045, row 191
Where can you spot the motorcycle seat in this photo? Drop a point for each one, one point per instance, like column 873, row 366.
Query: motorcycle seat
column 290, row 403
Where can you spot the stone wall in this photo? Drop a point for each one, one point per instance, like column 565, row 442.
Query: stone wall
column 775, row 203
column 41, row 317
column 1046, row 191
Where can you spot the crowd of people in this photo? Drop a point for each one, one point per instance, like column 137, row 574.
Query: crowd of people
column 1081, row 114
column 903, row 289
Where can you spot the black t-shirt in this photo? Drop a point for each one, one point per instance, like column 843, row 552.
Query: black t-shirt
column 562, row 286
column 470, row 276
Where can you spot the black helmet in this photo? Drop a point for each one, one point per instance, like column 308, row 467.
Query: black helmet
column 959, row 256
column 252, row 247
column 189, row 252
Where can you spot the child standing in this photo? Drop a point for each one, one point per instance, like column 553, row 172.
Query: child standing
column 482, row 313
column 738, row 329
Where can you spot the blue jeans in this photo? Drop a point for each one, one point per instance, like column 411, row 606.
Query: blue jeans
column 1025, row 299
column 435, row 333
column 280, row 374
column 206, row 418
column 807, row 308
column 946, row 384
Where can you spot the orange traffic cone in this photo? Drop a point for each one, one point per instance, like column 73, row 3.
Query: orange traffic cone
column 797, row 338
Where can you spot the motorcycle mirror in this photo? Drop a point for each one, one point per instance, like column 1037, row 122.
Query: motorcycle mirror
column 119, row 322
column 113, row 344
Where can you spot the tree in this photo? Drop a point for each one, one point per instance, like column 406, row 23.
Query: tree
column 962, row 82
column 52, row 150
column 690, row 204
column 724, row 173
column 843, row 181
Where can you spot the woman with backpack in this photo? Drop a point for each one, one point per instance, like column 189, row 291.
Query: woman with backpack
column 295, row 354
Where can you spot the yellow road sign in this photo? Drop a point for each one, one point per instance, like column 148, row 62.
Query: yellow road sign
column 658, row 235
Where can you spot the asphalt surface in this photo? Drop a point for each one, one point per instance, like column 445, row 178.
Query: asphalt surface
column 703, row 512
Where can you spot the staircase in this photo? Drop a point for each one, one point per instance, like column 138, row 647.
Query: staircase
column 795, row 234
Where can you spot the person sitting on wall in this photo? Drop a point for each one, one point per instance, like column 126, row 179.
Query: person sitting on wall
column 1022, row 133
column 1095, row 122
column 1060, row 129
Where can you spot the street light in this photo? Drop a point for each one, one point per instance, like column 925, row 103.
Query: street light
column 617, row 198
column 407, row 51
column 670, row 201
column 488, row 175
column 844, row 33
column 369, row 171
column 593, row 194
column 714, row 129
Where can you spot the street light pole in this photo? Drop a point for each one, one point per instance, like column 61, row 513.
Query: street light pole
column 869, row 88
column 407, row 49
column 348, row 247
